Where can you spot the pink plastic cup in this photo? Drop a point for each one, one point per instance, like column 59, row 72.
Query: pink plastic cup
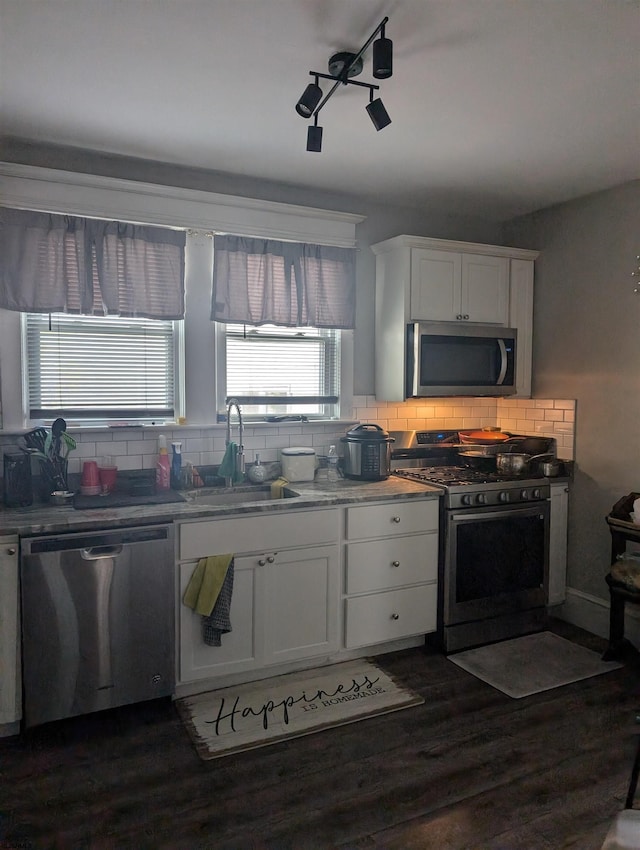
column 108, row 476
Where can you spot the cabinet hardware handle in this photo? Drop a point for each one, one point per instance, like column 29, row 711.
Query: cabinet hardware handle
column 459, row 317
column 261, row 562
column 395, row 563
column 11, row 551
column 270, row 559
column 395, row 616
column 466, row 316
column 396, row 519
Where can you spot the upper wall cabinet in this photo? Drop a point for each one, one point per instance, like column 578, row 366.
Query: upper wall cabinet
column 447, row 286
column 437, row 280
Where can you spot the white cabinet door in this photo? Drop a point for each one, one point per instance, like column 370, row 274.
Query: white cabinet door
column 301, row 603
column 558, row 543
column 10, row 702
column 484, row 295
column 435, row 285
column 243, row 647
column 453, row 287
column 286, row 598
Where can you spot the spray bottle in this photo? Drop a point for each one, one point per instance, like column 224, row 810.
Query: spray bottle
column 163, row 465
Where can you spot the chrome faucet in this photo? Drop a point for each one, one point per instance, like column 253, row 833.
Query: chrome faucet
column 231, row 403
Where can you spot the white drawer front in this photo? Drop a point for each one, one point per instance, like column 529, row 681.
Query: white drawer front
column 392, row 562
column 368, row 521
column 258, row 533
column 392, row 615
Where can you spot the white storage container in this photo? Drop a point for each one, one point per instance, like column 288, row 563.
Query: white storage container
column 298, row 463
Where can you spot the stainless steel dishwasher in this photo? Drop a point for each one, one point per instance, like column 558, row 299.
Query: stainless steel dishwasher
column 97, row 620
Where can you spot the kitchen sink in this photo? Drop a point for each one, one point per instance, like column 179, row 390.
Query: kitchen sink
column 234, row 495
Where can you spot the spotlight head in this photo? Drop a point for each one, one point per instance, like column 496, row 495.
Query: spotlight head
column 378, row 114
column 309, row 100
column 314, row 139
column 382, row 58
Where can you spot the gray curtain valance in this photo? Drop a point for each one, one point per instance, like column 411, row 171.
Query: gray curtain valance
column 65, row 264
column 262, row 281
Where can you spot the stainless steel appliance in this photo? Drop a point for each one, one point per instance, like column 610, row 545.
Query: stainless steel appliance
column 97, row 620
column 494, row 554
column 366, row 451
column 458, row 358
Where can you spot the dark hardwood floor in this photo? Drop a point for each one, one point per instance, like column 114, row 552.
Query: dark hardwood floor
column 471, row 768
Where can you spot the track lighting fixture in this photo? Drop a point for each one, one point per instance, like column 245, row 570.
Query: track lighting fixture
column 382, row 57
column 309, row 100
column 378, row 114
column 342, row 67
column 314, row 137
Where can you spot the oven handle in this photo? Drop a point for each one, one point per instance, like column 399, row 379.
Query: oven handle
column 541, row 508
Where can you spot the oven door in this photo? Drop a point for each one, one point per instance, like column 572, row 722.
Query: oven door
column 496, row 562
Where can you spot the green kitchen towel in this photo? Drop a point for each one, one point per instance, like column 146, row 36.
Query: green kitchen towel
column 229, row 466
column 206, row 582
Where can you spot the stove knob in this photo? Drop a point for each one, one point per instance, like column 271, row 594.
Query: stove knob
column 536, row 494
column 505, row 496
column 524, row 495
column 466, row 499
column 481, row 499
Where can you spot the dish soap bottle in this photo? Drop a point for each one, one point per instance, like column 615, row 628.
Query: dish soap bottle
column 176, row 466
column 332, row 465
column 256, row 472
column 163, row 465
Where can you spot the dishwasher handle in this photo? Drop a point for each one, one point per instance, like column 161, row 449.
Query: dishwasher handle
column 97, row 552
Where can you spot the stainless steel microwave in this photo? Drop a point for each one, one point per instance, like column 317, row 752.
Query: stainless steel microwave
column 455, row 359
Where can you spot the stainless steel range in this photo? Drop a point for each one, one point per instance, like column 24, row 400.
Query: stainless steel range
column 494, row 553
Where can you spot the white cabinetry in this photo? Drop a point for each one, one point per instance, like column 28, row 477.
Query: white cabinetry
column 10, row 702
column 391, row 570
column 421, row 279
column 285, row 600
column 447, row 286
column 558, row 542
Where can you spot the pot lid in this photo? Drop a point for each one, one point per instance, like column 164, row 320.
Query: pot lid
column 298, row 450
column 368, row 431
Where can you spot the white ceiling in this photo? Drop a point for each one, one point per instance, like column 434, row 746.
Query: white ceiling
column 498, row 107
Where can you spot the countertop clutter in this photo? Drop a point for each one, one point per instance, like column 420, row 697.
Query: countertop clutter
column 210, row 501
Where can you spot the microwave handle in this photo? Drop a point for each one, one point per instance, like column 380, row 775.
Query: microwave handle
column 413, row 358
column 503, row 367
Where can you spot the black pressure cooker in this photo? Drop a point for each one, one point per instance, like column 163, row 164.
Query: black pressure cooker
column 366, row 451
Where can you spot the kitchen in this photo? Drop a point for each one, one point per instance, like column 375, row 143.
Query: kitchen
column 585, row 346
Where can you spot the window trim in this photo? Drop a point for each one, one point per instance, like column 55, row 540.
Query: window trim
column 134, row 417
column 221, row 381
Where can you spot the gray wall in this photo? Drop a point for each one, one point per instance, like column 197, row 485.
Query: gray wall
column 587, row 346
column 381, row 222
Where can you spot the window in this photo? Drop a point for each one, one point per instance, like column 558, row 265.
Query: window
column 96, row 369
column 279, row 371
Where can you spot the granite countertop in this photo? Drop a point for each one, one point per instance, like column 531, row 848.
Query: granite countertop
column 45, row 519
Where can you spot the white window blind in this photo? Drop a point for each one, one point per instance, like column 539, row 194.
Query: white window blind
column 277, row 370
column 96, row 369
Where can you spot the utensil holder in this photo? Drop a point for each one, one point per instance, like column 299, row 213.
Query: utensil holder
column 16, row 481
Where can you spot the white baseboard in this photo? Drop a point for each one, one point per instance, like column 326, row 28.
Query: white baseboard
column 592, row 614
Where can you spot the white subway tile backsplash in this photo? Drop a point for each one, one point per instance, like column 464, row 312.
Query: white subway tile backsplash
column 136, row 448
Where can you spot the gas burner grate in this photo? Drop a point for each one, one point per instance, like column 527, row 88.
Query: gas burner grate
column 454, row 476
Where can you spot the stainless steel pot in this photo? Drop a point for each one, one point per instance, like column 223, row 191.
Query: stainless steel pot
column 515, row 463
column 549, row 468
